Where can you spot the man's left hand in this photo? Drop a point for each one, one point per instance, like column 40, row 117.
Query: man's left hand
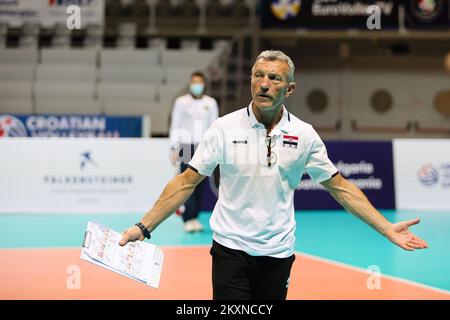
column 399, row 234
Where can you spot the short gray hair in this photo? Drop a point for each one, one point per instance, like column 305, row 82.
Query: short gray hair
column 273, row 55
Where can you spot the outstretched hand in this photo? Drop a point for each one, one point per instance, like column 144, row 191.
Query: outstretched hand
column 401, row 236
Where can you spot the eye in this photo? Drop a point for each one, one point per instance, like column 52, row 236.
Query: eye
column 275, row 78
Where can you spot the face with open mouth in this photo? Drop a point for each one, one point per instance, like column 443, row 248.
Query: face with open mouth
column 270, row 84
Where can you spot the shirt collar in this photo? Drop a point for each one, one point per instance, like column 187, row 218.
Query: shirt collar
column 280, row 127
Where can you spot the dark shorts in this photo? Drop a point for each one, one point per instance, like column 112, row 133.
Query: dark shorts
column 238, row 276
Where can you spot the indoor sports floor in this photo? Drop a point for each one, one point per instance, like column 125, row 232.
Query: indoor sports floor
column 338, row 257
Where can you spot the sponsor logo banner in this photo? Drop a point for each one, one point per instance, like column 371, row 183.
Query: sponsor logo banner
column 16, row 12
column 91, row 11
column 67, row 175
column 326, row 14
column 367, row 164
column 48, row 12
column 422, row 174
column 70, row 126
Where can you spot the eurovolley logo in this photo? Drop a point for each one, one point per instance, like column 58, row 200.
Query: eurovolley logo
column 285, row 9
column 12, row 127
column 428, row 175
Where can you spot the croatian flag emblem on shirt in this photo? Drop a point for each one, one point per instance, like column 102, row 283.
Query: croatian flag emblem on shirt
column 290, row 141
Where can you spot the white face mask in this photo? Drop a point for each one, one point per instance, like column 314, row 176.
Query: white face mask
column 197, row 89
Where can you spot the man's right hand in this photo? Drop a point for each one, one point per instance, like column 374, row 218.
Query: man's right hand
column 131, row 234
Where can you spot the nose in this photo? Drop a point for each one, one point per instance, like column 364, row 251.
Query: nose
column 265, row 83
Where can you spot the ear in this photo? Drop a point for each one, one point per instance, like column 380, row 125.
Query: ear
column 290, row 89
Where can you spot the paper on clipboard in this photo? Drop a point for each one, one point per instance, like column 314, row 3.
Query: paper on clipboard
column 138, row 260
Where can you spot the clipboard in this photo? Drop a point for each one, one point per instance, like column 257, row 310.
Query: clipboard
column 137, row 260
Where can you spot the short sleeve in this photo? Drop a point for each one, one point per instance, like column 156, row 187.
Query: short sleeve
column 209, row 152
column 318, row 166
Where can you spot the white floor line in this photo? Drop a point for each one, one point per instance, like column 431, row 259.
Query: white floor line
column 358, row 269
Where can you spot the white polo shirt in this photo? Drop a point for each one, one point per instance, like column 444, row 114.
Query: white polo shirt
column 255, row 209
column 191, row 118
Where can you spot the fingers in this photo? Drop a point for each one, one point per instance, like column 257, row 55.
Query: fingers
column 406, row 247
column 421, row 240
column 125, row 239
column 412, row 222
column 414, row 245
column 420, row 244
column 131, row 235
column 412, row 238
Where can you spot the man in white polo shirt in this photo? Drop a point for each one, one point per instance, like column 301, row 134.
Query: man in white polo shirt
column 192, row 114
column 263, row 151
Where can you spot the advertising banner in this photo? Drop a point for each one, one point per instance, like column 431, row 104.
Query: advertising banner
column 366, row 164
column 49, row 12
column 16, row 12
column 127, row 175
column 422, row 173
column 329, row 14
column 71, row 126
column 69, row 175
column 55, row 11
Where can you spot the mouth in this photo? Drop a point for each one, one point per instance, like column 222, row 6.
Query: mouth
column 264, row 96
